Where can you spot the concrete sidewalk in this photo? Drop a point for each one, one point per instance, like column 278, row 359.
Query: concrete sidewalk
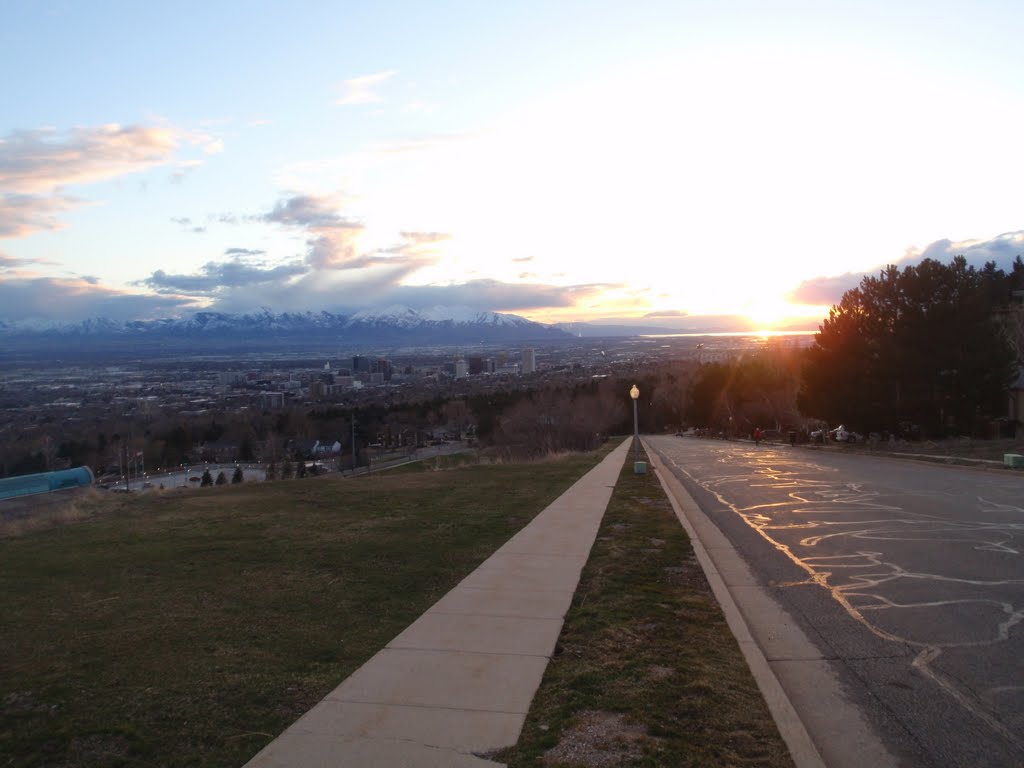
column 458, row 681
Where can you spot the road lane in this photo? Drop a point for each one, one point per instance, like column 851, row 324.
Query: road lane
column 908, row 577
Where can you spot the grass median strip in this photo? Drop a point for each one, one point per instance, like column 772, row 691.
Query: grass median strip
column 190, row 627
column 646, row 671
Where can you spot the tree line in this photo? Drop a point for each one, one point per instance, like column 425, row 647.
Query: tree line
column 927, row 351
column 934, row 346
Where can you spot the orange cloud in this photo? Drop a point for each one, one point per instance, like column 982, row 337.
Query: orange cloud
column 33, row 162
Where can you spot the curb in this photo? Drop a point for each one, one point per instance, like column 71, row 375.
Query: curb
column 791, row 727
column 930, row 458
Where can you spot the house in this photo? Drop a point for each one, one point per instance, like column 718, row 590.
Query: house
column 326, row 448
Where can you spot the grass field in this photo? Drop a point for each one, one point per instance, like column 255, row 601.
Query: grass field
column 190, row 627
column 646, row 671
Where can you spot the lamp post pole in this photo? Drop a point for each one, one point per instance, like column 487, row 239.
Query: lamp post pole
column 635, row 394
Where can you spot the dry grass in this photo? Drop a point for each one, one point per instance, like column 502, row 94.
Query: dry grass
column 32, row 514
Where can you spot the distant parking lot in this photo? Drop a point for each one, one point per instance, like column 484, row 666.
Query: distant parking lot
column 251, row 473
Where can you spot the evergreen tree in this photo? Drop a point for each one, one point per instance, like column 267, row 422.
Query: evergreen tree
column 918, row 346
column 222, row 479
column 207, row 479
column 271, row 471
column 238, row 476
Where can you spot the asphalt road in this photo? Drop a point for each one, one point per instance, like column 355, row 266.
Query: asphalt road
column 907, row 577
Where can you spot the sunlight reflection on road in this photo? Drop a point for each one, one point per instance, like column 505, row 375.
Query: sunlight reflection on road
column 935, row 568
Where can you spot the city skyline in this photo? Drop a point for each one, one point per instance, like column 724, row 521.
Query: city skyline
column 673, row 165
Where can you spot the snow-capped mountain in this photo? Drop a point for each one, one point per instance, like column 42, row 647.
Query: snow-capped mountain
column 393, row 325
column 405, row 317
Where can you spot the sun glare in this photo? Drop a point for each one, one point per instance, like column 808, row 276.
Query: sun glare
column 768, row 315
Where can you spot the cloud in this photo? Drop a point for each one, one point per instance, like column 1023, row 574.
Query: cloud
column 380, row 286
column 338, row 275
column 492, row 295
column 333, row 241
column 186, row 223
column 21, row 215
column 42, row 161
column 72, row 299
column 667, row 313
column 362, row 90
column 339, row 291
column 425, row 237
column 217, row 277
column 183, row 169
column 333, row 270
column 9, row 263
column 312, row 211
column 825, row 290
column 417, row 243
column 36, row 166
column 1002, row 250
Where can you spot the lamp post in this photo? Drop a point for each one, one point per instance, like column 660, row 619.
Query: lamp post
column 635, row 394
column 639, row 467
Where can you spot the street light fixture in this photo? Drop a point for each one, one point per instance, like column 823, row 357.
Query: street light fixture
column 639, row 467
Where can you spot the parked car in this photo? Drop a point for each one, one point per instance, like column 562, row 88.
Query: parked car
column 842, row 435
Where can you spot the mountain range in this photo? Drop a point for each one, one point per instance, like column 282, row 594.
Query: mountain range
column 393, row 325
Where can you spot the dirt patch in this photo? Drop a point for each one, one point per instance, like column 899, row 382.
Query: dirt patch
column 686, row 576
column 656, row 674
column 599, row 740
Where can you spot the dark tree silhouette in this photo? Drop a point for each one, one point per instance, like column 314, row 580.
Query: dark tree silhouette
column 919, row 346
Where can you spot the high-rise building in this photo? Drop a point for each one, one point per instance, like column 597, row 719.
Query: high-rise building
column 529, row 361
column 271, row 400
column 360, row 364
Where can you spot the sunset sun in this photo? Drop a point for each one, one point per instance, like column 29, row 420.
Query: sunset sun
column 769, row 314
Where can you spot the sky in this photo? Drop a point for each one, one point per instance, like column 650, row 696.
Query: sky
column 686, row 164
